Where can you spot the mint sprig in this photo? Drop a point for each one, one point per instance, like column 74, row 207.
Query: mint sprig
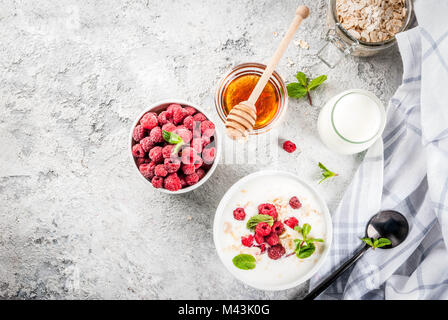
column 244, row 261
column 173, row 138
column 326, row 173
column 376, row 243
column 255, row 220
column 304, row 86
column 305, row 247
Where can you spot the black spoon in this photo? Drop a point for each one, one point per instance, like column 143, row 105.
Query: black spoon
column 385, row 224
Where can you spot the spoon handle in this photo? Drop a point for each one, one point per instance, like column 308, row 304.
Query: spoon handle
column 336, row 274
column 302, row 13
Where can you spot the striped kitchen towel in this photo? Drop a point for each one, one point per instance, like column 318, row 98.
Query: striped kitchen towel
column 406, row 171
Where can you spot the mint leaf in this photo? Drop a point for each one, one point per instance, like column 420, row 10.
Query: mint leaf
column 252, row 223
column 368, row 241
column 304, row 86
column 305, row 251
column 301, row 77
column 171, row 137
column 244, row 261
column 316, row 82
column 383, row 242
column 306, row 230
column 298, row 229
column 296, row 90
column 326, row 173
column 377, row 243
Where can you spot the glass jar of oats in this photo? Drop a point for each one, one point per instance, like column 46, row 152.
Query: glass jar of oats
column 363, row 27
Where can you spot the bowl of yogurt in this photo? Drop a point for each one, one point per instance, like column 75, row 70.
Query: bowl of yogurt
column 276, row 188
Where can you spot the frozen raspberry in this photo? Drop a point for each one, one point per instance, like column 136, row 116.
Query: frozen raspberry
column 156, row 135
column 160, row 170
column 149, row 121
column 276, row 252
column 147, row 170
column 172, row 165
column 207, row 128
column 169, row 127
column 139, row 133
column 185, row 134
column 190, row 110
column 208, row 155
column 189, row 156
column 178, row 115
column 205, row 141
column 295, row 203
column 289, row 146
column 263, row 229
column 172, row 182
column 269, row 209
column 147, row 144
column 198, row 162
column 247, row 240
column 201, row 173
column 164, row 118
column 278, row 227
column 259, row 238
column 262, row 247
column 192, row 179
column 196, row 144
column 196, row 129
column 239, row 214
column 157, row 182
column 173, row 107
column 199, row 117
column 183, row 183
column 140, row 161
column 291, row 222
column 188, row 168
column 167, row 150
column 155, row 154
column 188, row 122
column 137, row 151
column 272, row 239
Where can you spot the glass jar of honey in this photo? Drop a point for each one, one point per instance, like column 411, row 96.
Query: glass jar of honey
column 237, row 85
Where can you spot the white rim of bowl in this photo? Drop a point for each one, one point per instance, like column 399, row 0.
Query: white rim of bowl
column 217, row 145
column 329, row 226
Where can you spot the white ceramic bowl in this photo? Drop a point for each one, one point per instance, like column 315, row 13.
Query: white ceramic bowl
column 219, row 220
column 159, row 107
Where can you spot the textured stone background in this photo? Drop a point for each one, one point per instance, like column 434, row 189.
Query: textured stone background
column 75, row 219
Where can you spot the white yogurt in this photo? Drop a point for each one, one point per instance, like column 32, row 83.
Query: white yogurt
column 276, row 188
column 351, row 121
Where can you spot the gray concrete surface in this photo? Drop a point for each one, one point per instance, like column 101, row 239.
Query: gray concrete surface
column 75, row 219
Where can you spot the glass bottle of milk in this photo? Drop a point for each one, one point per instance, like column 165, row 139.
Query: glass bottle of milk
column 351, row 121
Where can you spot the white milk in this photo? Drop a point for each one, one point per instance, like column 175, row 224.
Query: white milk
column 268, row 273
column 351, row 121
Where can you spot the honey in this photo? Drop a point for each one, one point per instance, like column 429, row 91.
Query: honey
column 239, row 89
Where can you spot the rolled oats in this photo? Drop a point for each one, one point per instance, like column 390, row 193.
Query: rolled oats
column 371, row 20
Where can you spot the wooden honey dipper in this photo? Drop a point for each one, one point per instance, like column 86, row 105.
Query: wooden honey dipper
column 241, row 118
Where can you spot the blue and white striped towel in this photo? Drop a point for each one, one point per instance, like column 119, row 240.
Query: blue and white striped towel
column 406, row 171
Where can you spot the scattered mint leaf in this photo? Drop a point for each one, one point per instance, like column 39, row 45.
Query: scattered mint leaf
column 301, row 77
column 296, row 90
column 377, row 243
column 304, row 86
column 173, row 138
column 305, row 247
column 305, row 251
column 316, row 82
column 252, row 223
column 326, row 173
column 244, row 261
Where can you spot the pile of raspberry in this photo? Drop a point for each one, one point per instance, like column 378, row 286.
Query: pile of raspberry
column 266, row 234
column 154, row 156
